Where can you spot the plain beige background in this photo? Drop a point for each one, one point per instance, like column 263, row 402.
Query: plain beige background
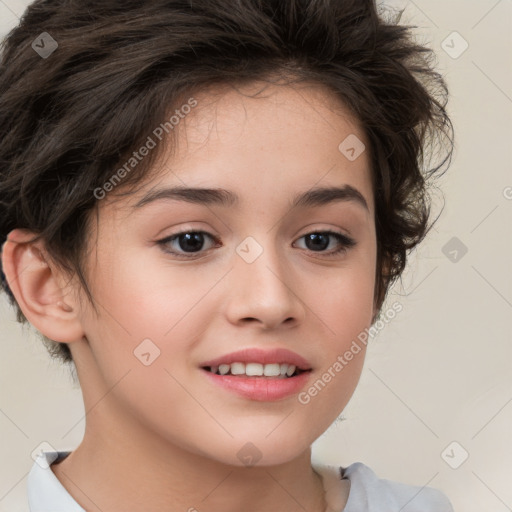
column 437, row 383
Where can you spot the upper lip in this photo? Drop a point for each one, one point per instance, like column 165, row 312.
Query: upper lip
column 257, row 355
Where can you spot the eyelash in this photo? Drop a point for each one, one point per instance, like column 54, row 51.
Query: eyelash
column 346, row 243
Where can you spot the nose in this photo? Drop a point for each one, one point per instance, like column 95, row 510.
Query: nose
column 264, row 291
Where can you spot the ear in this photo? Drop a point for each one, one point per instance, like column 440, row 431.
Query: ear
column 39, row 288
column 380, row 291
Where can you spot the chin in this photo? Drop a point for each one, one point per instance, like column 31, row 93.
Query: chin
column 258, row 450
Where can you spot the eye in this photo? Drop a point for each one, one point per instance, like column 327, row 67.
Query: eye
column 318, row 241
column 189, row 244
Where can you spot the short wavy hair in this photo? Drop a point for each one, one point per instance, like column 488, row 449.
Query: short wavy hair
column 68, row 120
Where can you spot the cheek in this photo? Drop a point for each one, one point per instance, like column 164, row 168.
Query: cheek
column 345, row 315
column 345, row 303
column 148, row 313
column 143, row 297
column 347, row 312
column 329, row 392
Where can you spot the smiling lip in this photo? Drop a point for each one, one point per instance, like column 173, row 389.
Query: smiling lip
column 261, row 389
column 254, row 355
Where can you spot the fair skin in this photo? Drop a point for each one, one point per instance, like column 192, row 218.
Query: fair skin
column 162, row 437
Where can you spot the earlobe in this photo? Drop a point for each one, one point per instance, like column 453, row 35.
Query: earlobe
column 39, row 288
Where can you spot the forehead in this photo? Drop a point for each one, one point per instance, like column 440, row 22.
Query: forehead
column 248, row 145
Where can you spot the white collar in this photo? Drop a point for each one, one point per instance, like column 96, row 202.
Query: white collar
column 45, row 492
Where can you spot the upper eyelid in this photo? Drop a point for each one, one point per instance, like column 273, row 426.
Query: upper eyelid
column 174, row 236
column 215, row 237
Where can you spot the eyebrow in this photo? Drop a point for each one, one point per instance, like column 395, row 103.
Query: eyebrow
column 221, row 197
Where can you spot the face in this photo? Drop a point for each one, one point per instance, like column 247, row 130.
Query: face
column 184, row 281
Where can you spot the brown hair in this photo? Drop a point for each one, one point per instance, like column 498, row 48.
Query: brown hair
column 67, row 120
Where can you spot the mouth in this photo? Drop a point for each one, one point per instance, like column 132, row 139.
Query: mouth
column 261, row 375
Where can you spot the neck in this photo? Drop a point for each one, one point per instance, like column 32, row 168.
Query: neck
column 120, row 466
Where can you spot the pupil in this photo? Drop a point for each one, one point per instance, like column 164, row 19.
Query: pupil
column 319, row 240
column 193, row 241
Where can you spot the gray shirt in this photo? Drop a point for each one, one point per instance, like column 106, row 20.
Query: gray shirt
column 368, row 493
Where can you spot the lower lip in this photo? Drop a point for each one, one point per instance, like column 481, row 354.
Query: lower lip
column 262, row 389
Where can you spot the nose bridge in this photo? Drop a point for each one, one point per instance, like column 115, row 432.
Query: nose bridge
column 260, row 286
column 259, row 262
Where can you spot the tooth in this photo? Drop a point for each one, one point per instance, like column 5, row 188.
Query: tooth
column 237, row 368
column 224, row 369
column 282, row 370
column 271, row 370
column 291, row 370
column 254, row 369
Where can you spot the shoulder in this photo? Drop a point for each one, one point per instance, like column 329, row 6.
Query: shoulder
column 369, row 493
column 397, row 496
